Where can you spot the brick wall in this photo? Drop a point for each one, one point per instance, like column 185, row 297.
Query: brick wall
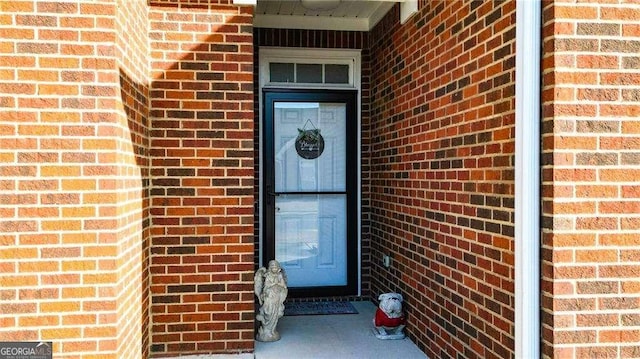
column 442, row 173
column 591, row 166
column 132, row 56
column 71, row 209
column 331, row 40
column 202, row 171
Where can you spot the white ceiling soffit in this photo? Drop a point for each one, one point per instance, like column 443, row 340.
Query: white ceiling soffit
column 346, row 15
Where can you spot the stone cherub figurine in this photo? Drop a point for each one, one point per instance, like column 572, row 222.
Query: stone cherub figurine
column 271, row 289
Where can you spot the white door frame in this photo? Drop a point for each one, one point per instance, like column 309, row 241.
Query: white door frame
column 316, row 56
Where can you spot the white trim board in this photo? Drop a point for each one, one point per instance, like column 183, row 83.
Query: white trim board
column 324, row 22
column 527, row 180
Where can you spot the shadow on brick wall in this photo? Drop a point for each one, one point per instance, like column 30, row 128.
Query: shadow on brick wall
column 135, row 100
column 196, row 146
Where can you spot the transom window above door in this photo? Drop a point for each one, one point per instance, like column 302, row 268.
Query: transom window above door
column 308, row 73
column 309, row 68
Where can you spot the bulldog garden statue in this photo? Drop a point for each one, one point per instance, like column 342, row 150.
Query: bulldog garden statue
column 389, row 321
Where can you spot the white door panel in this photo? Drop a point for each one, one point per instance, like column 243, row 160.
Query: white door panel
column 311, row 239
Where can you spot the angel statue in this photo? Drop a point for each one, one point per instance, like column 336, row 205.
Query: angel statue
column 271, row 290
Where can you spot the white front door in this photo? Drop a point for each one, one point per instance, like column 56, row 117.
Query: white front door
column 311, row 189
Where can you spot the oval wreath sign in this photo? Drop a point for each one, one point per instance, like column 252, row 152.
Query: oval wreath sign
column 309, row 143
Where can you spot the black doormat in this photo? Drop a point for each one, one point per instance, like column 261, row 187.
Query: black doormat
column 318, row 308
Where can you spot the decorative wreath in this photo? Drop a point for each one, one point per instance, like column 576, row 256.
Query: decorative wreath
column 309, row 143
column 309, row 136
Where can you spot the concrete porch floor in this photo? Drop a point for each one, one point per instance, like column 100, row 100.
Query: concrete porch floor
column 346, row 336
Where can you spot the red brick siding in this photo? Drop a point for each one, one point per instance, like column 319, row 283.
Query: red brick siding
column 322, row 39
column 442, row 173
column 191, row 4
column 71, row 208
column 202, row 179
column 591, row 166
column 132, row 49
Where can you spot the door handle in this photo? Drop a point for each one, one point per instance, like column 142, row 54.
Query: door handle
column 270, row 194
column 270, row 191
column 270, row 197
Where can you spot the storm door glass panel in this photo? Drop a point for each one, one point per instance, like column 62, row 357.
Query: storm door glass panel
column 311, row 198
